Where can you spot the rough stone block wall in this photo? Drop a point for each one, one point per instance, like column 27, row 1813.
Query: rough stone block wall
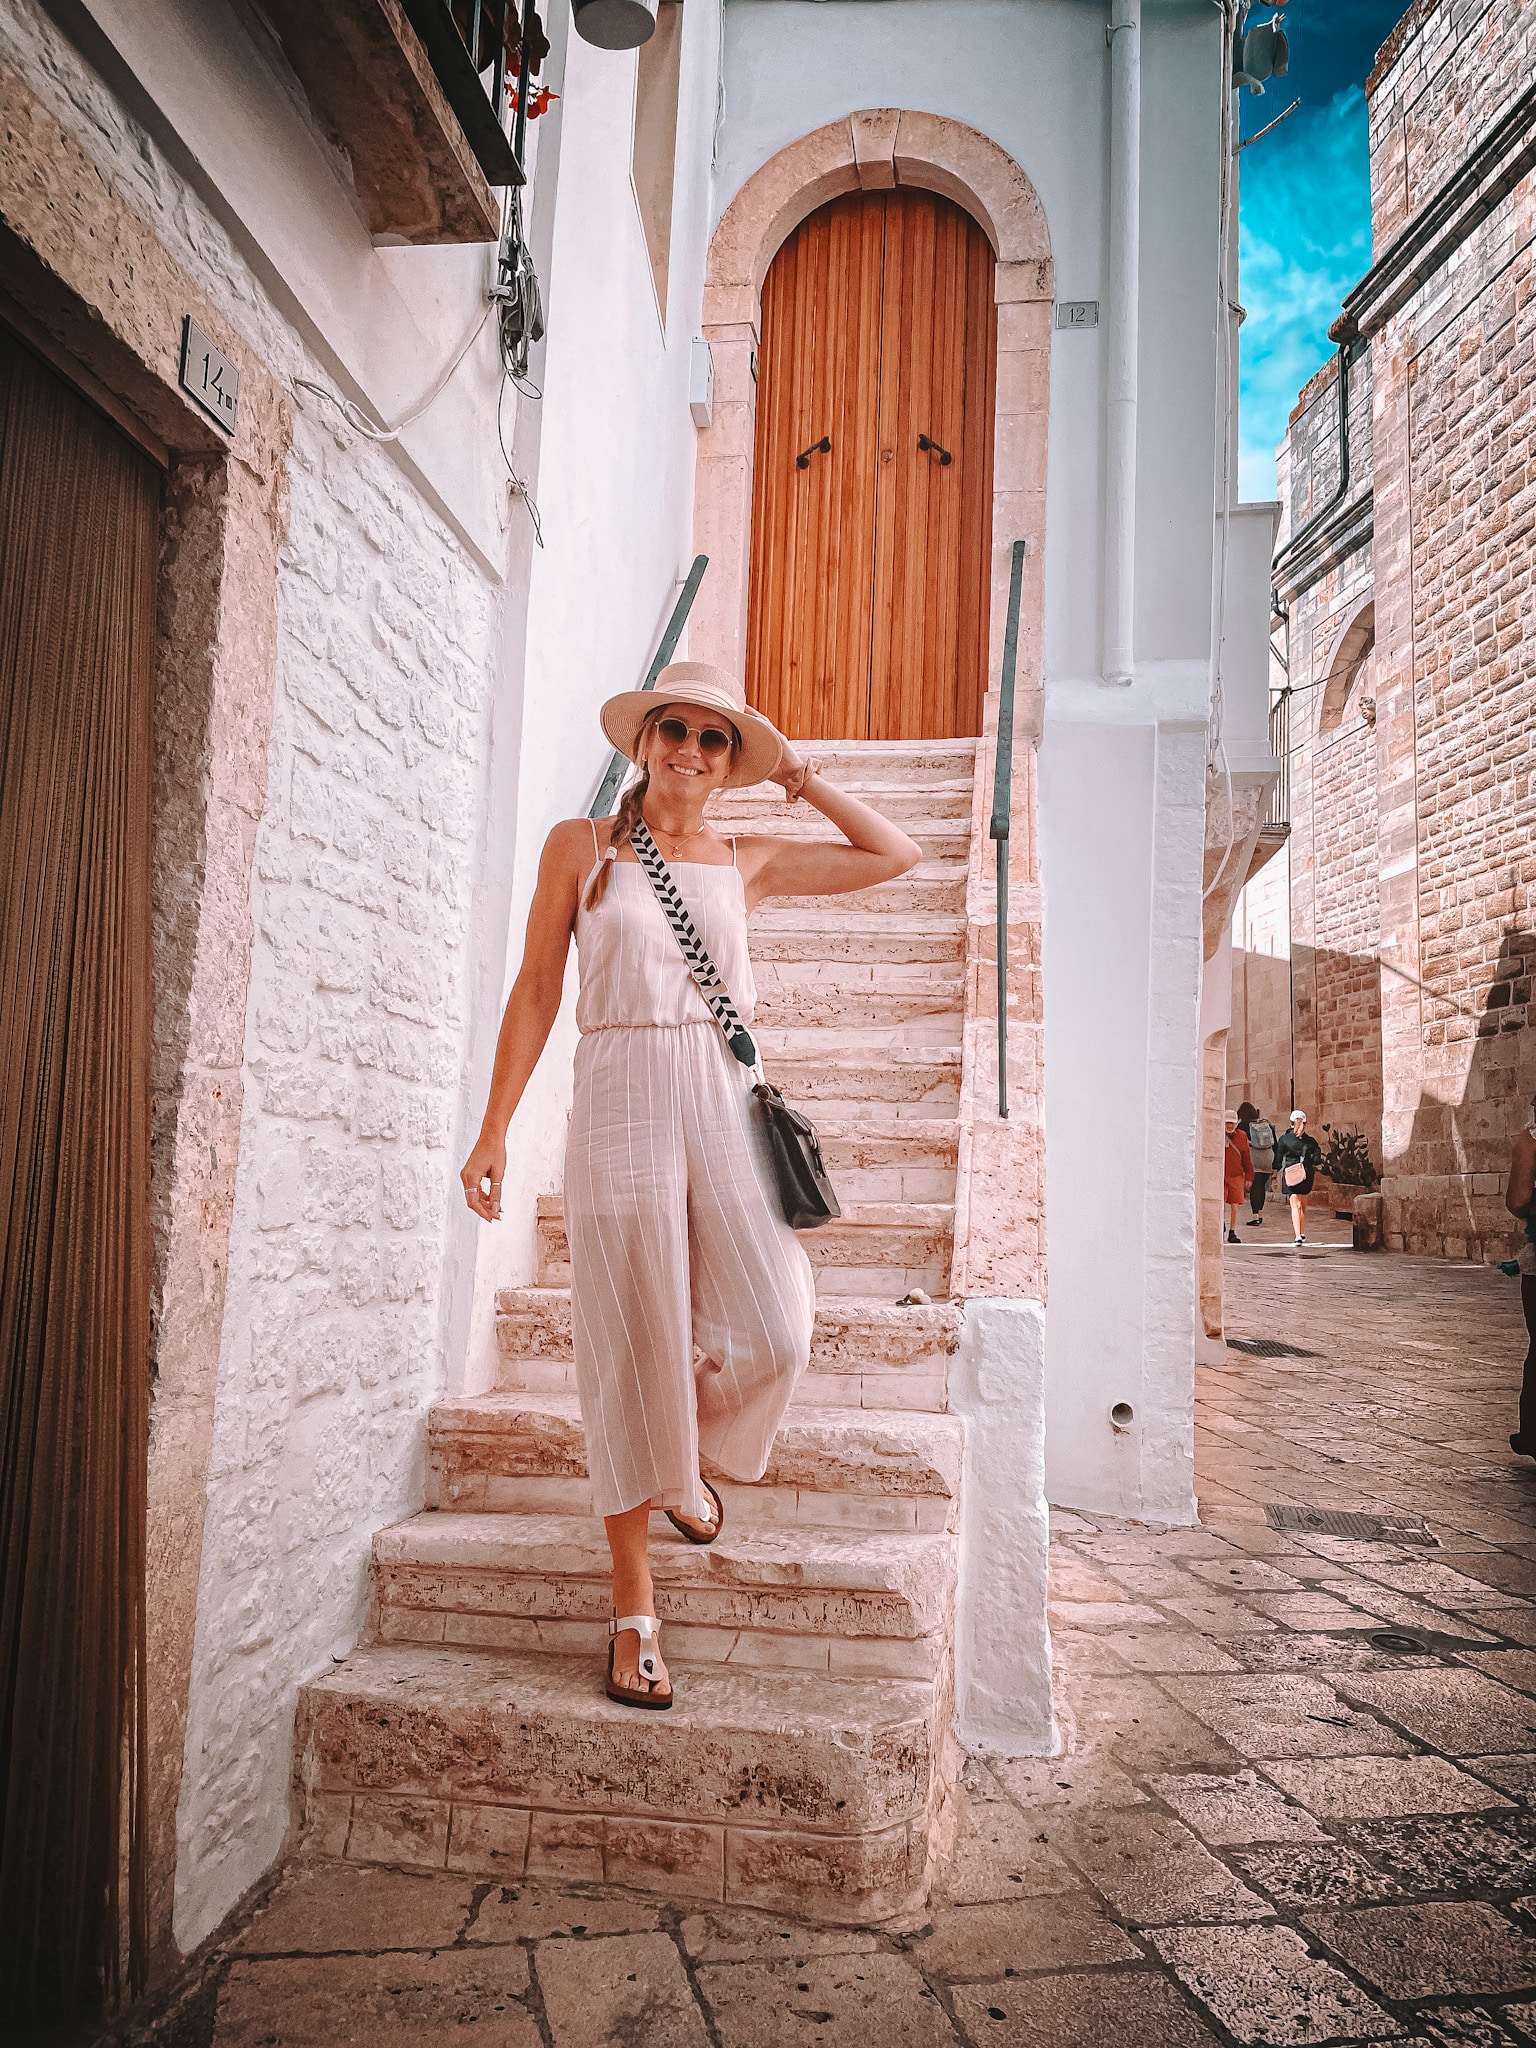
column 1471, row 394
column 1345, row 978
column 1334, row 985
column 1456, row 516
column 1259, row 1041
column 1442, row 79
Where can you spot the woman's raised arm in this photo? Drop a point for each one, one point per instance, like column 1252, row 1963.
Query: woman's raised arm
column 531, row 1008
column 876, row 850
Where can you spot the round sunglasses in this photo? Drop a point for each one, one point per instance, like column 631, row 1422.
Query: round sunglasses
column 712, row 741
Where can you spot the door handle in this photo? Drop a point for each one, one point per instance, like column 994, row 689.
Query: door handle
column 821, row 447
column 932, row 448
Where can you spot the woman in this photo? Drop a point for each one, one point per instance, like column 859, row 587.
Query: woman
column 1260, row 1133
column 1236, row 1175
column 691, row 1298
column 1520, row 1201
column 1293, row 1150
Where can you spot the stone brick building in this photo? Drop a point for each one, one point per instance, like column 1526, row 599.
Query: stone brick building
column 1404, row 578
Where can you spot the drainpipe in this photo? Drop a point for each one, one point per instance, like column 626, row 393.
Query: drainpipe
column 1124, row 37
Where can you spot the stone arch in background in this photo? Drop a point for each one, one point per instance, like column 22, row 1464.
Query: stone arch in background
column 1351, row 650
column 872, row 151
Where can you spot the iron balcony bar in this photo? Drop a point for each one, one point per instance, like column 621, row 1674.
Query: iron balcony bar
column 1002, row 803
column 1279, row 808
column 618, row 766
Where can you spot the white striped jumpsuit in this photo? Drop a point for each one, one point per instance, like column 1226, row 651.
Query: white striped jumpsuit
column 692, row 1299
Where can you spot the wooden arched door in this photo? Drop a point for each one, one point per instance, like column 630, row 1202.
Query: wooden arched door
column 870, row 551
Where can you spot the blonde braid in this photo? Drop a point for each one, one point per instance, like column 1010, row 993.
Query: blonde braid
column 622, row 824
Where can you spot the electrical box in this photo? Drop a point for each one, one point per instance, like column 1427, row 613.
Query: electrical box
column 701, row 383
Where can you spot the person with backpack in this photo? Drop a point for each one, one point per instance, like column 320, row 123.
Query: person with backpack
column 1297, row 1158
column 1236, row 1176
column 1260, row 1133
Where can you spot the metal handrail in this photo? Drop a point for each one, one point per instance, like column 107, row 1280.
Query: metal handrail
column 1002, row 801
column 619, row 764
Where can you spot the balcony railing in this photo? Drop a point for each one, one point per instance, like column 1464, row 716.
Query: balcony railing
column 1279, row 811
column 467, row 43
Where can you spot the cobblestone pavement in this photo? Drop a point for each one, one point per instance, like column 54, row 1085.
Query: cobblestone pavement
column 1264, row 1828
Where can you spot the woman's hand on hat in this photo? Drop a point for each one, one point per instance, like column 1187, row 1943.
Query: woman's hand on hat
column 791, row 770
column 482, row 1176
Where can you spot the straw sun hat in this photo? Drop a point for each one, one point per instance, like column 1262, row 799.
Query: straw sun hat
column 709, row 689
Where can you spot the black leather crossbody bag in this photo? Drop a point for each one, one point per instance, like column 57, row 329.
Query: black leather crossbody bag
column 805, row 1193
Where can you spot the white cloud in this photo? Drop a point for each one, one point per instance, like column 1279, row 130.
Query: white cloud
column 1304, row 240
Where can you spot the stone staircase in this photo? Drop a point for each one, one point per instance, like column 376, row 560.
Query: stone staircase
column 809, row 1758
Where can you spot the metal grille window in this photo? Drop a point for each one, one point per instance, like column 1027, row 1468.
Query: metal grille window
column 1279, row 811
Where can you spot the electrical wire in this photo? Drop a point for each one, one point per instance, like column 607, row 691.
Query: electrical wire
column 1216, row 745
column 353, row 415
column 519, row 487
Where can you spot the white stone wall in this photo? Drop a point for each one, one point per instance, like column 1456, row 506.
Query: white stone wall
column 367, row 859
column 332, row 1344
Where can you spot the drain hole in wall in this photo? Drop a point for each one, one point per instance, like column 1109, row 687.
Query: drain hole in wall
column 1122, row 1415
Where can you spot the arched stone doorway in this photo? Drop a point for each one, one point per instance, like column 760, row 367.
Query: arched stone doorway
column 880, row 150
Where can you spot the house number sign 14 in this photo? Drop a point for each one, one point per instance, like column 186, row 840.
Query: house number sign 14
column 208, row 376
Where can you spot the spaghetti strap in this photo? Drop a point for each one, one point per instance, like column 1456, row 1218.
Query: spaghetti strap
column 733, row 853
column 598, row 857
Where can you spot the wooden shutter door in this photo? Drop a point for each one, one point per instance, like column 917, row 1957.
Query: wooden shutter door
column 870, row 581
column 933, row 526
column 79, row 515
column 813, row 529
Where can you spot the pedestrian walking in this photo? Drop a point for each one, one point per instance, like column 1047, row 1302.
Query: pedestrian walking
column 691, row 1299
column 1520, row 1201
column 1237, row 1176
column 1297, row 1158
column 1261, row 1149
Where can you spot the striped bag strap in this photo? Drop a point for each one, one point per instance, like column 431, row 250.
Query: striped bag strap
column 700, row 966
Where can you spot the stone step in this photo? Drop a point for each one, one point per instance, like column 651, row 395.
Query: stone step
column 763, row 806
column 784, row 1790
column 931, row 888
column 832, row 1080
column 829, row 1468
column 861, row 1603
column 896, row 761
column 838, row 930
column 864, row 1353
column 942, row 840
column 850, row 995
column 890, row 1159
column 900, row 1244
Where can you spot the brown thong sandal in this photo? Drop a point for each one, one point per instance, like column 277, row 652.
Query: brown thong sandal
column 693, row 1535
column 646, row 1627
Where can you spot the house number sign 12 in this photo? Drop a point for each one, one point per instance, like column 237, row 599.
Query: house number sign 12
column 208, row 376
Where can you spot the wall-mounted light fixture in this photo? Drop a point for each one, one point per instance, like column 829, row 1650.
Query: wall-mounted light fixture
column 615, row 24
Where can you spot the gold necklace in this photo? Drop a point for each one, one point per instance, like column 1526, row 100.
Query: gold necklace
column 679, row 839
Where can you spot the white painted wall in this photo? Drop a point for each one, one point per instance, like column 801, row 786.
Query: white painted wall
column 1122, row 770
column 392, row 617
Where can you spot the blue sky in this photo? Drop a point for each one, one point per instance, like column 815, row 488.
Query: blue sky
column 1305, row 213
